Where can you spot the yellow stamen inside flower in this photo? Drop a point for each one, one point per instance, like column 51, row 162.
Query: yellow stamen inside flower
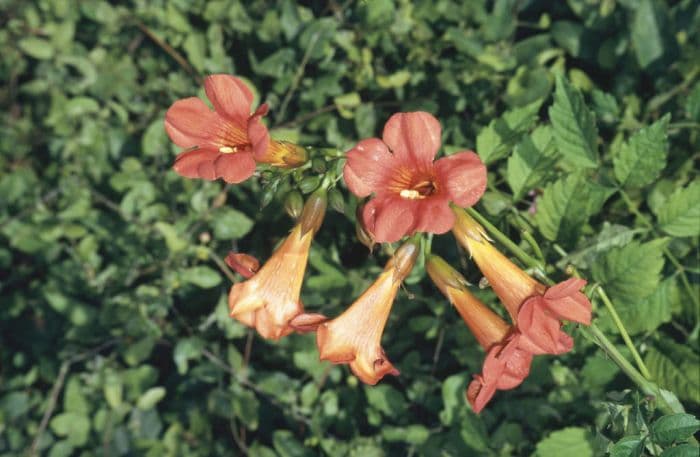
column 228, row 149
column 411, row 194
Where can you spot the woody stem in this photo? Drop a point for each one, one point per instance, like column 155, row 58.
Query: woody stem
column 642, row 380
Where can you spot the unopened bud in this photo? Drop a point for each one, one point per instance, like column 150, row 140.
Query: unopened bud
column 267, row 196
column 243, row 264
column 363, row 236
column 309, row 184
column 318, row 165
column 403, row 260
column 336, row 200
column 314, row 211
column 294, row 204
column 204, row 237
column 443, row 275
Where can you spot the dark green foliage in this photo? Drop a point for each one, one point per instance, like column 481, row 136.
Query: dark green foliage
column 114, row 329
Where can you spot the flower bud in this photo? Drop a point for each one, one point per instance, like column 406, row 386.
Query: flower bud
column 294, row 204
column 243, row 264
column 335, row 199
column 403, row 260
column 314, row 211
column 318, row 165
column 443, row 275
column 309, row 184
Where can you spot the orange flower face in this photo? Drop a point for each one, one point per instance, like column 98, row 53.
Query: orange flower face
column 354, row 337
column 269, row 300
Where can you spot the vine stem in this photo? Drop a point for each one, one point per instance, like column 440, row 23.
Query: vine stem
column 623, row 332
column 641, row 380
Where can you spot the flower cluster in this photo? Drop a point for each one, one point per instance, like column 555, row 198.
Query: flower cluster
column 407, row 192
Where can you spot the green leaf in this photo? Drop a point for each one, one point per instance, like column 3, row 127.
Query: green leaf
column 395, row 80
column 497, row 139
column 230, row 224
column 38, row 48
column 412, row 434
column 631, row 272
column 646, row 32
column 569, row 441
column 172, row 238
column 150, row 398
column 287, row 446
column 629, row 446
column 683, row 450
column 646, row 315
column 673, row 428
column 245, row 407
column 680, row 215
column 74, row 399
column 675, row 368
column 75, row 426
column 453, row 399
column 566, row 205
column 609, row 236
column 201, row 276
column 386, row 399
column 532, row 159
column 185, row 350
column 574, row 126
column 640, row 160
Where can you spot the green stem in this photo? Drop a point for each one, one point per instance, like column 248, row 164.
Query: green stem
column 646, row 386
column 504, row 240
column 623, row 332
column 533, row 244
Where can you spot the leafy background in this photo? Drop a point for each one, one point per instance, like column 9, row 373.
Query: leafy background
column 114, row 332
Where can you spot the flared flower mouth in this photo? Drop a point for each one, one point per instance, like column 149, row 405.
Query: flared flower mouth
column 269, row 300
column 411, row 191
column 354, row 337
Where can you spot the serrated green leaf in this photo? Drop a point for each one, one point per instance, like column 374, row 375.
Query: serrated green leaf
column 680, row 215
column 611, row 235
column 674, row 428
column 566, row 205
column 631, row 272
column 497, row 139
column 641, row 159
column 646, row 315
column 646, row 32
column 569, row 441
column 675, row 368
column 574, row 126
column 533, row 157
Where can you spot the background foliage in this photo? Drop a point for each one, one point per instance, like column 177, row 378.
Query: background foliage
column 114, row 332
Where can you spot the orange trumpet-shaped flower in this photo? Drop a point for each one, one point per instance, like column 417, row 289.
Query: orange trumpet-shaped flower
column 536, row 309
column 269, row 300
column 506, row 364
column 354, row 337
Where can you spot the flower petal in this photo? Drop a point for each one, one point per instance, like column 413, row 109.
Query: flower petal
column 479, row 393
column 196, row 164
column 390, row 218
column 540, row 331
column 368, row 167
column 236, row 167
column 230, row 96
column 413, row 137
column 434, row 216
column 463, row 176
column 259, row 138
column 189, row 122
column 566, row 301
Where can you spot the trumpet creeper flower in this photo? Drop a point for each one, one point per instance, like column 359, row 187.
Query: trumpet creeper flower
column 228, row 141
column 269, row 300
column 354, row 337
column 411, row 192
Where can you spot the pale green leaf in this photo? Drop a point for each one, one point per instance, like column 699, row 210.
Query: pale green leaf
column 680, row 215
column 231, row 224
column 150, row 398
column 646, row 32
column 574, row 126
column 674, row 428
column 569, row 441
column 201, row 276
column 675, row 368
column 640, row 160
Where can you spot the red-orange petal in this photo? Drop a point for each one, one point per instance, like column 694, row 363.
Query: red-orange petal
column 235, row 167
column 196, row 164
column 463, row 176
column 414, row 138
column 230, row 96
column 189, row 123
column 369, row 166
